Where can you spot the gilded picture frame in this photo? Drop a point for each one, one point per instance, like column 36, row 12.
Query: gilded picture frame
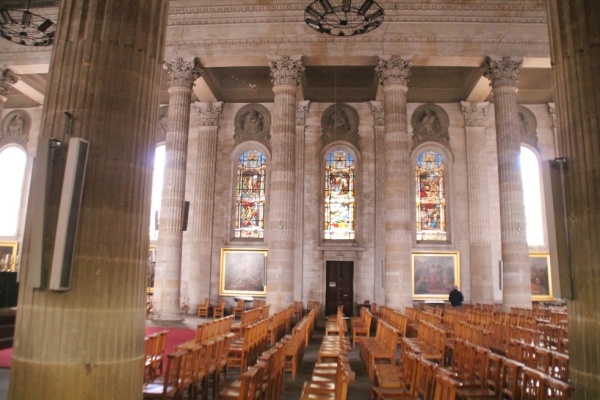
column 8, row 256
column 541, row 277
column 243, row 272
column 434, row 274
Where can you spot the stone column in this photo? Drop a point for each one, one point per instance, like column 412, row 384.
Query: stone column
column 7, row 79
column 482, row 290
column 88, row 342
column 202, row 205
column 301, row 112
column 394, row 72
column 503, row 73
column 286, row 72
column 379, row 128
column 167, row 278
column 574, row 39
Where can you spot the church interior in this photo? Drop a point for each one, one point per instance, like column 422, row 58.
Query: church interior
column 285, row 167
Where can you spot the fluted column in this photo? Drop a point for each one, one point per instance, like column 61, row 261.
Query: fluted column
column 286, row 72
column 167, row 278
column 88, row 342
column 503, row 72
column 394, row 72
column 7, row 79
column 380, row 173
column 575, row 35
column 301, row 112
column 482, row 290
column 201, row 224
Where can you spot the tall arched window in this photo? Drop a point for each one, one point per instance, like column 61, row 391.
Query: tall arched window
column 339, row 195
column 532, row 195
column 13, row 162
column 250, row 195
column 157, row 187
column 430, row 196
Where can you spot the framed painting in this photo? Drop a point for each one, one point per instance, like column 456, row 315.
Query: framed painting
column 541, row 277
column 435, row 274
column 8, row 256
column 243, row 272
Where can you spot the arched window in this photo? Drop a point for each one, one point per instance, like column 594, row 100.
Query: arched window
column 250, row 195
column 157, row 187
column 339, row 195
column 13, row 162
column 430, row 195
column 532, row 195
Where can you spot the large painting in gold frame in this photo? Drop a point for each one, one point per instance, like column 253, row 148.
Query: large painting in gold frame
column 243, row 272
column 8, row 256
column 541, row 277
column 434, row 274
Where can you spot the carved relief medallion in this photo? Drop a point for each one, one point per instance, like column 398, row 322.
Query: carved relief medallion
column 253, row 122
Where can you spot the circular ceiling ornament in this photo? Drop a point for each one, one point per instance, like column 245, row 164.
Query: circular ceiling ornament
column 342, row 18
column 26, row 28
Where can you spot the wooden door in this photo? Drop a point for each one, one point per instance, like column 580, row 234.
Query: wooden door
column 339, row 287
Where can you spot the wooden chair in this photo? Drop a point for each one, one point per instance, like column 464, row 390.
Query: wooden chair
column 361, row 328
column 555, row 389
column 246, row 389
column 238, row 310
column 168, row 387
column 531, row 384
column 298, row 310
column 445, row 388
column 219, row 310
column 509, row 384
column 203, row 309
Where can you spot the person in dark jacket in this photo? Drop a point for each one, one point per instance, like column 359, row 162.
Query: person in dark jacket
column 456, row 297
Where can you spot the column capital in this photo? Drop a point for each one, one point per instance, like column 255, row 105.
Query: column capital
column 301, row 111
column 502, row 71
column 209, row 112
column 286, row 70
column 7, row 79
column 378, row 112
column 394, row 70
column 183, row 73
column 474, row 113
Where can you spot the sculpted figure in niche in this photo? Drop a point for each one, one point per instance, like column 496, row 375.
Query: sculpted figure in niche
column 339, row 122
column 429, row 123
column 253, row 123
column 16, row 126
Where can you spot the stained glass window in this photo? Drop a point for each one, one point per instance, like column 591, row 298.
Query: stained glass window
column 430, row 196
column 250, row 195
column 13, row 162
column 339, row 196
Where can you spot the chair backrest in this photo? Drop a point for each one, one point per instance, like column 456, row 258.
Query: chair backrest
column 445, row 389
column 509, row 384
column 173, row 370
column 555, row 389
column 531, row 384
column 424, row 379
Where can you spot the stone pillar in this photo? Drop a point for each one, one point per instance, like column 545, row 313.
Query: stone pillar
column 301, row 112
column 88, row 342
column 167, row 278
column 202, row 205
column 574, row 40
column 379, row 129
column 394, row 72
column 7, row 79
column 286, row 72
column 503, row 73
column 482, row 290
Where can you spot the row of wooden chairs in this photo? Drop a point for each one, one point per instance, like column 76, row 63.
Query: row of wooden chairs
column 249, row 317
column 245, row 349
column 430, row 342
column 380, row 348
column 361, row 325
column 396, row 319
column 545, row 360
column 296, row 344
column 154, row 354
column 328, row 382
column 336, row 324
column 279, row 324
column 203, row 310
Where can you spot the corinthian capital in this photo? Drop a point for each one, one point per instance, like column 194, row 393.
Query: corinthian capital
column 474, row 113
column 502, row 71
column 394, row 70
column 7, row 79
column 286, row 70
column 183, row 73
column 208, row 112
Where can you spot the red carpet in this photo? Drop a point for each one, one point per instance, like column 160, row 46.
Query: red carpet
column 175, row 336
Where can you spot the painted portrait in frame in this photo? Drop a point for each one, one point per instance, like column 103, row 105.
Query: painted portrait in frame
column 435, row 274
column 8, row 256
column 541, row 277
column 243, row 272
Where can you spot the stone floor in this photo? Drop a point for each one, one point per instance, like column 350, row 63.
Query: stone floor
column 359, row 389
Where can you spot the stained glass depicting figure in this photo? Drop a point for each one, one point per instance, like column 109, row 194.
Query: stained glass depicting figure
column 250, row 195
column 430, row 197
column 339, row 196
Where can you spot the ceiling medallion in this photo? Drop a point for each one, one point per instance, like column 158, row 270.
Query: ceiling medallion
column 26, row 28
column 342, row 18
